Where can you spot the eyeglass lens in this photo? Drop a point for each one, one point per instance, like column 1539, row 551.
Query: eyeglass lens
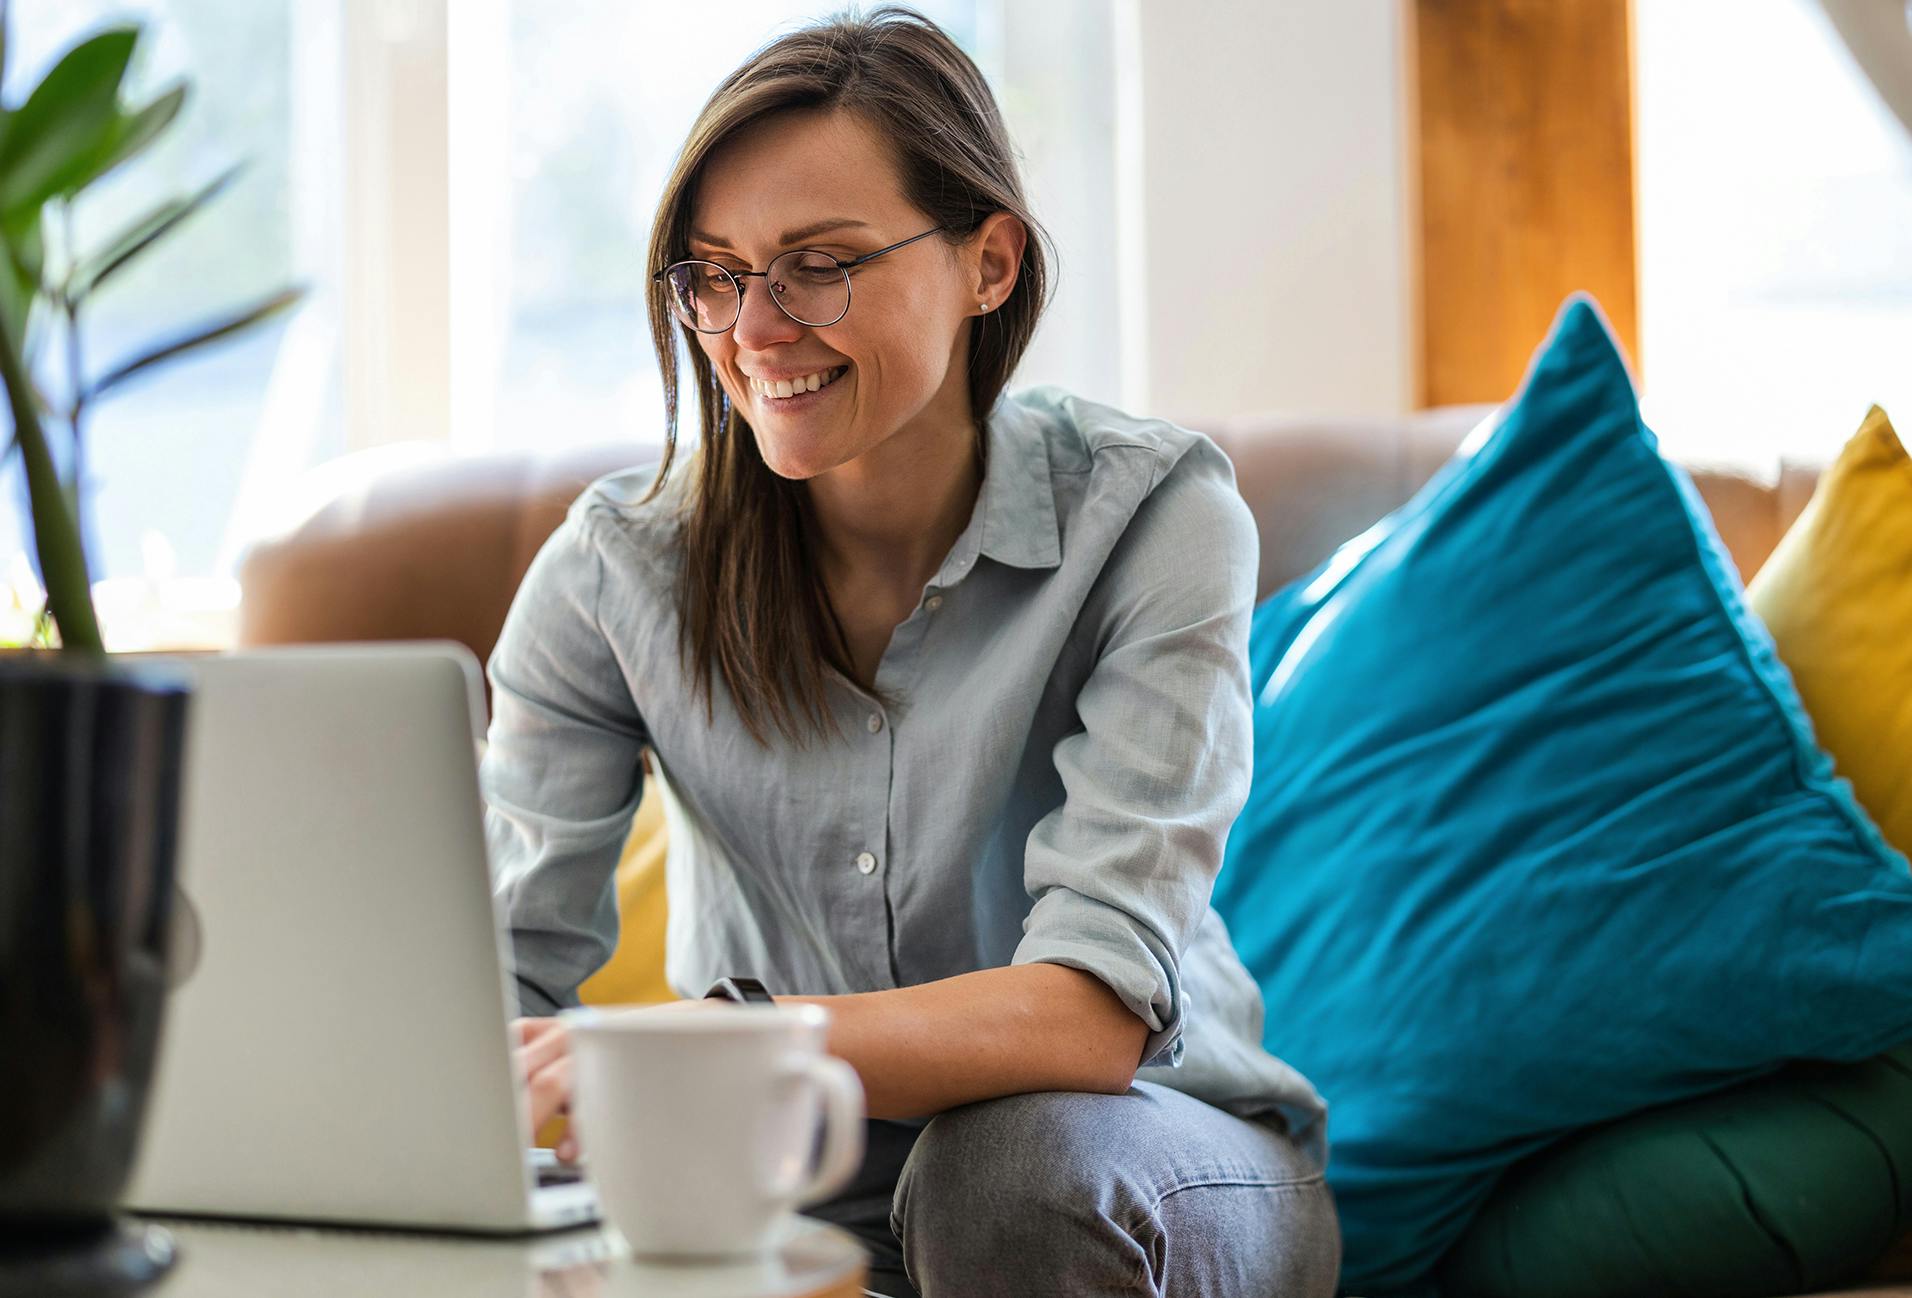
column 809, row 287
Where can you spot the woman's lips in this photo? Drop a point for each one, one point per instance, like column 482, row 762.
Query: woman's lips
column 797, row 402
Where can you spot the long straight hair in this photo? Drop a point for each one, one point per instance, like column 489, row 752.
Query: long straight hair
column 750, row 599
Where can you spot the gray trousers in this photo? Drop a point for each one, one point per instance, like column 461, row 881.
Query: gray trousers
column 1067, row 1193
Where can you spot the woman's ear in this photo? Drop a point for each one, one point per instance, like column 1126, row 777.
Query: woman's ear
column 998, row 244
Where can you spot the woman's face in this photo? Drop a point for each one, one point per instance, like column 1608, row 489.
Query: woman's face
column 824, row 180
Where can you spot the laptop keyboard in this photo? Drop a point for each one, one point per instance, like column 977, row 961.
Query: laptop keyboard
column 550, row 1171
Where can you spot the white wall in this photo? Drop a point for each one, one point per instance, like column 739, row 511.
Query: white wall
column 1059, row 102
column 397, row 361
column 1270, row 203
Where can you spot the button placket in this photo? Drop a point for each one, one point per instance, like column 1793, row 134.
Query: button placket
column 866, row 861
column 894, row 677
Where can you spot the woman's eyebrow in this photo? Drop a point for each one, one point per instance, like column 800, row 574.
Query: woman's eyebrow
column 797, row 235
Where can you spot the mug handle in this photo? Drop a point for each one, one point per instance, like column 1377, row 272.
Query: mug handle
column 842, row 1126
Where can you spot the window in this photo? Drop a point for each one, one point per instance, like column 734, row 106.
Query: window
column 565, row 122
column 168, row 455
column 465, row 186
column 1775, row 233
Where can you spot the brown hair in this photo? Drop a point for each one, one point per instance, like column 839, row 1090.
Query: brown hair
column 749, row 598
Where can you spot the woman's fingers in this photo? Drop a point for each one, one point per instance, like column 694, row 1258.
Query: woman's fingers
column 544, row 1060
column 544, row 1055
column 542, row 1049
column 549, row 1088
column 525, row 1031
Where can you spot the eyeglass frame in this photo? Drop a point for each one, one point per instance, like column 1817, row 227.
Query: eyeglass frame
column 737, row 277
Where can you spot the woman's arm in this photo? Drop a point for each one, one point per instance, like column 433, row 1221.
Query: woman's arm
column 923, row 1049
column 561, row 774
column 977, row 1036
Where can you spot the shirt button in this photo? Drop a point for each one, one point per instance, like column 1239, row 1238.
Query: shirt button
column 933, row 603
column 875, row 722
column 865, row 863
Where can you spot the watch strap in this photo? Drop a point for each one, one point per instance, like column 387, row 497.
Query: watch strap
column 745, row 991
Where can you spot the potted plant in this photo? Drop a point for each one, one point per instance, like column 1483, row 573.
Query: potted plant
column 90, row 747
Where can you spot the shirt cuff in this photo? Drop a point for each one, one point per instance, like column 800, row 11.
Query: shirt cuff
column 1070, row 929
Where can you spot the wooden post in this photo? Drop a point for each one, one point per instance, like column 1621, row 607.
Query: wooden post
column 1522, row 135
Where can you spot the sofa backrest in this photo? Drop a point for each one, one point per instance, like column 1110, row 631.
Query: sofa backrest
column 1316, row 483
column 436, row 549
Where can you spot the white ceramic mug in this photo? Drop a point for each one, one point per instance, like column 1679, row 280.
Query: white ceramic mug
column 698, row 1122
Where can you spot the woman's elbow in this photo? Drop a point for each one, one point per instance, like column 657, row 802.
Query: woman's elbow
column 1125, row 1056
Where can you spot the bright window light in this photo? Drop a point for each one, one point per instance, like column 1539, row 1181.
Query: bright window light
column 1775, row 233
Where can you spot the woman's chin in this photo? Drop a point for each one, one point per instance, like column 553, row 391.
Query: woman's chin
column 798, row 458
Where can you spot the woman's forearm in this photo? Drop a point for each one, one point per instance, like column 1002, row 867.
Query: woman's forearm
column 1030, row 1027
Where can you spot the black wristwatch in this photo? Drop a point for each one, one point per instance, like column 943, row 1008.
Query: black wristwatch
column 745, row 991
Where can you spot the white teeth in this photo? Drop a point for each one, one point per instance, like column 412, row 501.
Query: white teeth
column 780, row 388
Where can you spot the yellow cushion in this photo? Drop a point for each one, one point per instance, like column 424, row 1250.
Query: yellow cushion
column 1837, row 596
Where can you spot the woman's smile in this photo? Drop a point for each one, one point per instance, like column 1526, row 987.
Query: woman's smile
column 794, row 394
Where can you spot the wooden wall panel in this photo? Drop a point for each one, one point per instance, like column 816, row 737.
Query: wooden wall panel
column 1521, row 118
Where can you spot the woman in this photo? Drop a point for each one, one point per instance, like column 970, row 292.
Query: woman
column 950, row 690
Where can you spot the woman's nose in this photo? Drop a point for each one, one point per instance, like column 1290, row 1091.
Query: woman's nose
column 760, row 321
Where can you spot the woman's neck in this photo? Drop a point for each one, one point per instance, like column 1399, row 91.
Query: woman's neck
column 889, row 517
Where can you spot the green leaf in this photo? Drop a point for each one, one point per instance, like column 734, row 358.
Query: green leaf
column 67, row 123
column 143, row 233
column 132, row 132
column 198, row 338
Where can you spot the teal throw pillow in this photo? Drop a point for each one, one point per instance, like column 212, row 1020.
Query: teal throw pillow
column 1538, row 833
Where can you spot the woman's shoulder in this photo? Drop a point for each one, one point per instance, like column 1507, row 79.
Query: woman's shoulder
column 627, row 491
column 634, row 533
column 1084, row 434
column 1174, row 477
column 623, row 500
column 1156, row 508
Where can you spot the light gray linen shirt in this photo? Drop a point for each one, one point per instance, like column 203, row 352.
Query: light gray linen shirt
column 1074, row 740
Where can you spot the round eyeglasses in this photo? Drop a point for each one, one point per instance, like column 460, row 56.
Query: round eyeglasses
column 811, row 287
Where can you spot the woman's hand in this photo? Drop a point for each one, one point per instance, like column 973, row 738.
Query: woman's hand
column 544, row 1053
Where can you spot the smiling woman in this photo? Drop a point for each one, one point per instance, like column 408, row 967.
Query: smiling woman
column 947, row 689
column 912, row 365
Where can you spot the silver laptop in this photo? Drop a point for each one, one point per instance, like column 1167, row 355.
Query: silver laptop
column 338, row 1049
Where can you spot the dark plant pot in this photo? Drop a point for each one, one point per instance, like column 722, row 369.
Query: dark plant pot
column 90, row 772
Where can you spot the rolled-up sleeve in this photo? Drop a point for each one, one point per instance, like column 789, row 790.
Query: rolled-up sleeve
column 562, row 772
column 1121, row 872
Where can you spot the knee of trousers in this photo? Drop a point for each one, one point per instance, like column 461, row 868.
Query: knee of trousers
column 1019, row 1184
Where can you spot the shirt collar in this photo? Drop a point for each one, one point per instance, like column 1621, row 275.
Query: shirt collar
column 1014, row 521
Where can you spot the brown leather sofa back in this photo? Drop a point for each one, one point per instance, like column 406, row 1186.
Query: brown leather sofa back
column 421, row 552
column 437, row 550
